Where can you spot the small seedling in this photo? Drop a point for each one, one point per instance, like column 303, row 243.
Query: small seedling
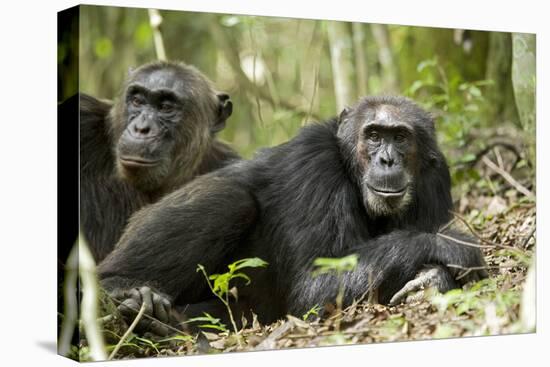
column 337, row 266
column 312, row 311
column 219, row 283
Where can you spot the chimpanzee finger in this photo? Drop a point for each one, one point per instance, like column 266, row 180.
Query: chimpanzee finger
column 159, row 329
column 119, row 294
column 147, row 299
column 129, row 308
column 413, row 285
column 159, row 311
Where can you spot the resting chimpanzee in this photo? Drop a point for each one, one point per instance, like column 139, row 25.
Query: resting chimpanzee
column 159, row 135
column 371, row 182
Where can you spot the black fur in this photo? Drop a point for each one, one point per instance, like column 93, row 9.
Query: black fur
column 290, row 205
column 107, row 198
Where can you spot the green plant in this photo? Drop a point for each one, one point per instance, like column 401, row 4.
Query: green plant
column 312, row 311
column 211, row 322
column 219, row 283
column 337, row 266
column 457, row 104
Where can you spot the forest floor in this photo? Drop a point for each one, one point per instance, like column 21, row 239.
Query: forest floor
column 501, row 214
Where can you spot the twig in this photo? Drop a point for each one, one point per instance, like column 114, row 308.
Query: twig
column 509, row 146
column 461, row 242
column 479, row 237
column 526, row 241
column 328, row 333
column 127, row 333
column 152, row 318
column 449, row 223
column 468, row 270
column 508, row 177
column 373, row 293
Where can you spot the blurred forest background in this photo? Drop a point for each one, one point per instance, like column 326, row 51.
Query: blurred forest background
column 283, row 73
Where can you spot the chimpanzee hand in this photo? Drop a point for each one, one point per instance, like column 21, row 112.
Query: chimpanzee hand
column 156, row 304
column 431, row 276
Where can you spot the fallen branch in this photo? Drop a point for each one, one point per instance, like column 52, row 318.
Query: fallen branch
column 512, row 181
column 500, row 143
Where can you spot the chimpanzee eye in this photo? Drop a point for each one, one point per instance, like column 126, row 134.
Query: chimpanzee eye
column 136, row 101
column 374, row 136
column 166, row 107
column 400, row 137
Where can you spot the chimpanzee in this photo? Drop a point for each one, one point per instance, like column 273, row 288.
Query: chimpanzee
column 371, row 182
column 158, row 135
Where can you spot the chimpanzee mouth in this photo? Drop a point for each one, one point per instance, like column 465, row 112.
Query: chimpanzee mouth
column 137, row 162
column 389, row 193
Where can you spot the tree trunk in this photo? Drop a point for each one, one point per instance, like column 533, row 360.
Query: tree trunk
column 523, row 78
column 342, row 66
column 501, row 106
column 389, row 72
column 360, row 58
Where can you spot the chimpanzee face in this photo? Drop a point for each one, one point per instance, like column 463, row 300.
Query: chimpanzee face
column 385, row 155
column 168, row 119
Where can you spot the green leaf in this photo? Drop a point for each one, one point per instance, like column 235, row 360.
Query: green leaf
column 211, row 326
column 254, row 262
column 426, row 64
column 183, row 338
column 312, row 311
column 470, row 157
column 415, row 86
column 221, row 283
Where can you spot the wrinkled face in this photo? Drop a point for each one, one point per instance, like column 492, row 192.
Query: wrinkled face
column 386, row 158
column 167, row 118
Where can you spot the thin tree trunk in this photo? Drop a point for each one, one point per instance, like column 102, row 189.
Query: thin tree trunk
column 389, row 70
column 360, row 58
column 500, row 95
column 342, row 66
column 523, row 79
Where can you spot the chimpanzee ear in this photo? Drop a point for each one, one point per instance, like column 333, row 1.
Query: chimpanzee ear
column 345, row 112
column 225, row 109
column 131, row 70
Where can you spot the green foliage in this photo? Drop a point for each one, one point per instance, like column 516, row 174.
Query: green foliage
column 477, row 302
column 211, row 322
column 326, row 265
column 219, row 286
column 103, row 48
column 457, row 104
column 312, row 311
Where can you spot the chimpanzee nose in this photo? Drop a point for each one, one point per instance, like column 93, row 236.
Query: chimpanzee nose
column 386, row 160
column 142, row 130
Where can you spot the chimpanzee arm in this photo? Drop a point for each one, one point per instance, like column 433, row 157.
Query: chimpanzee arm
column 388, row 262
column 163, row 243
